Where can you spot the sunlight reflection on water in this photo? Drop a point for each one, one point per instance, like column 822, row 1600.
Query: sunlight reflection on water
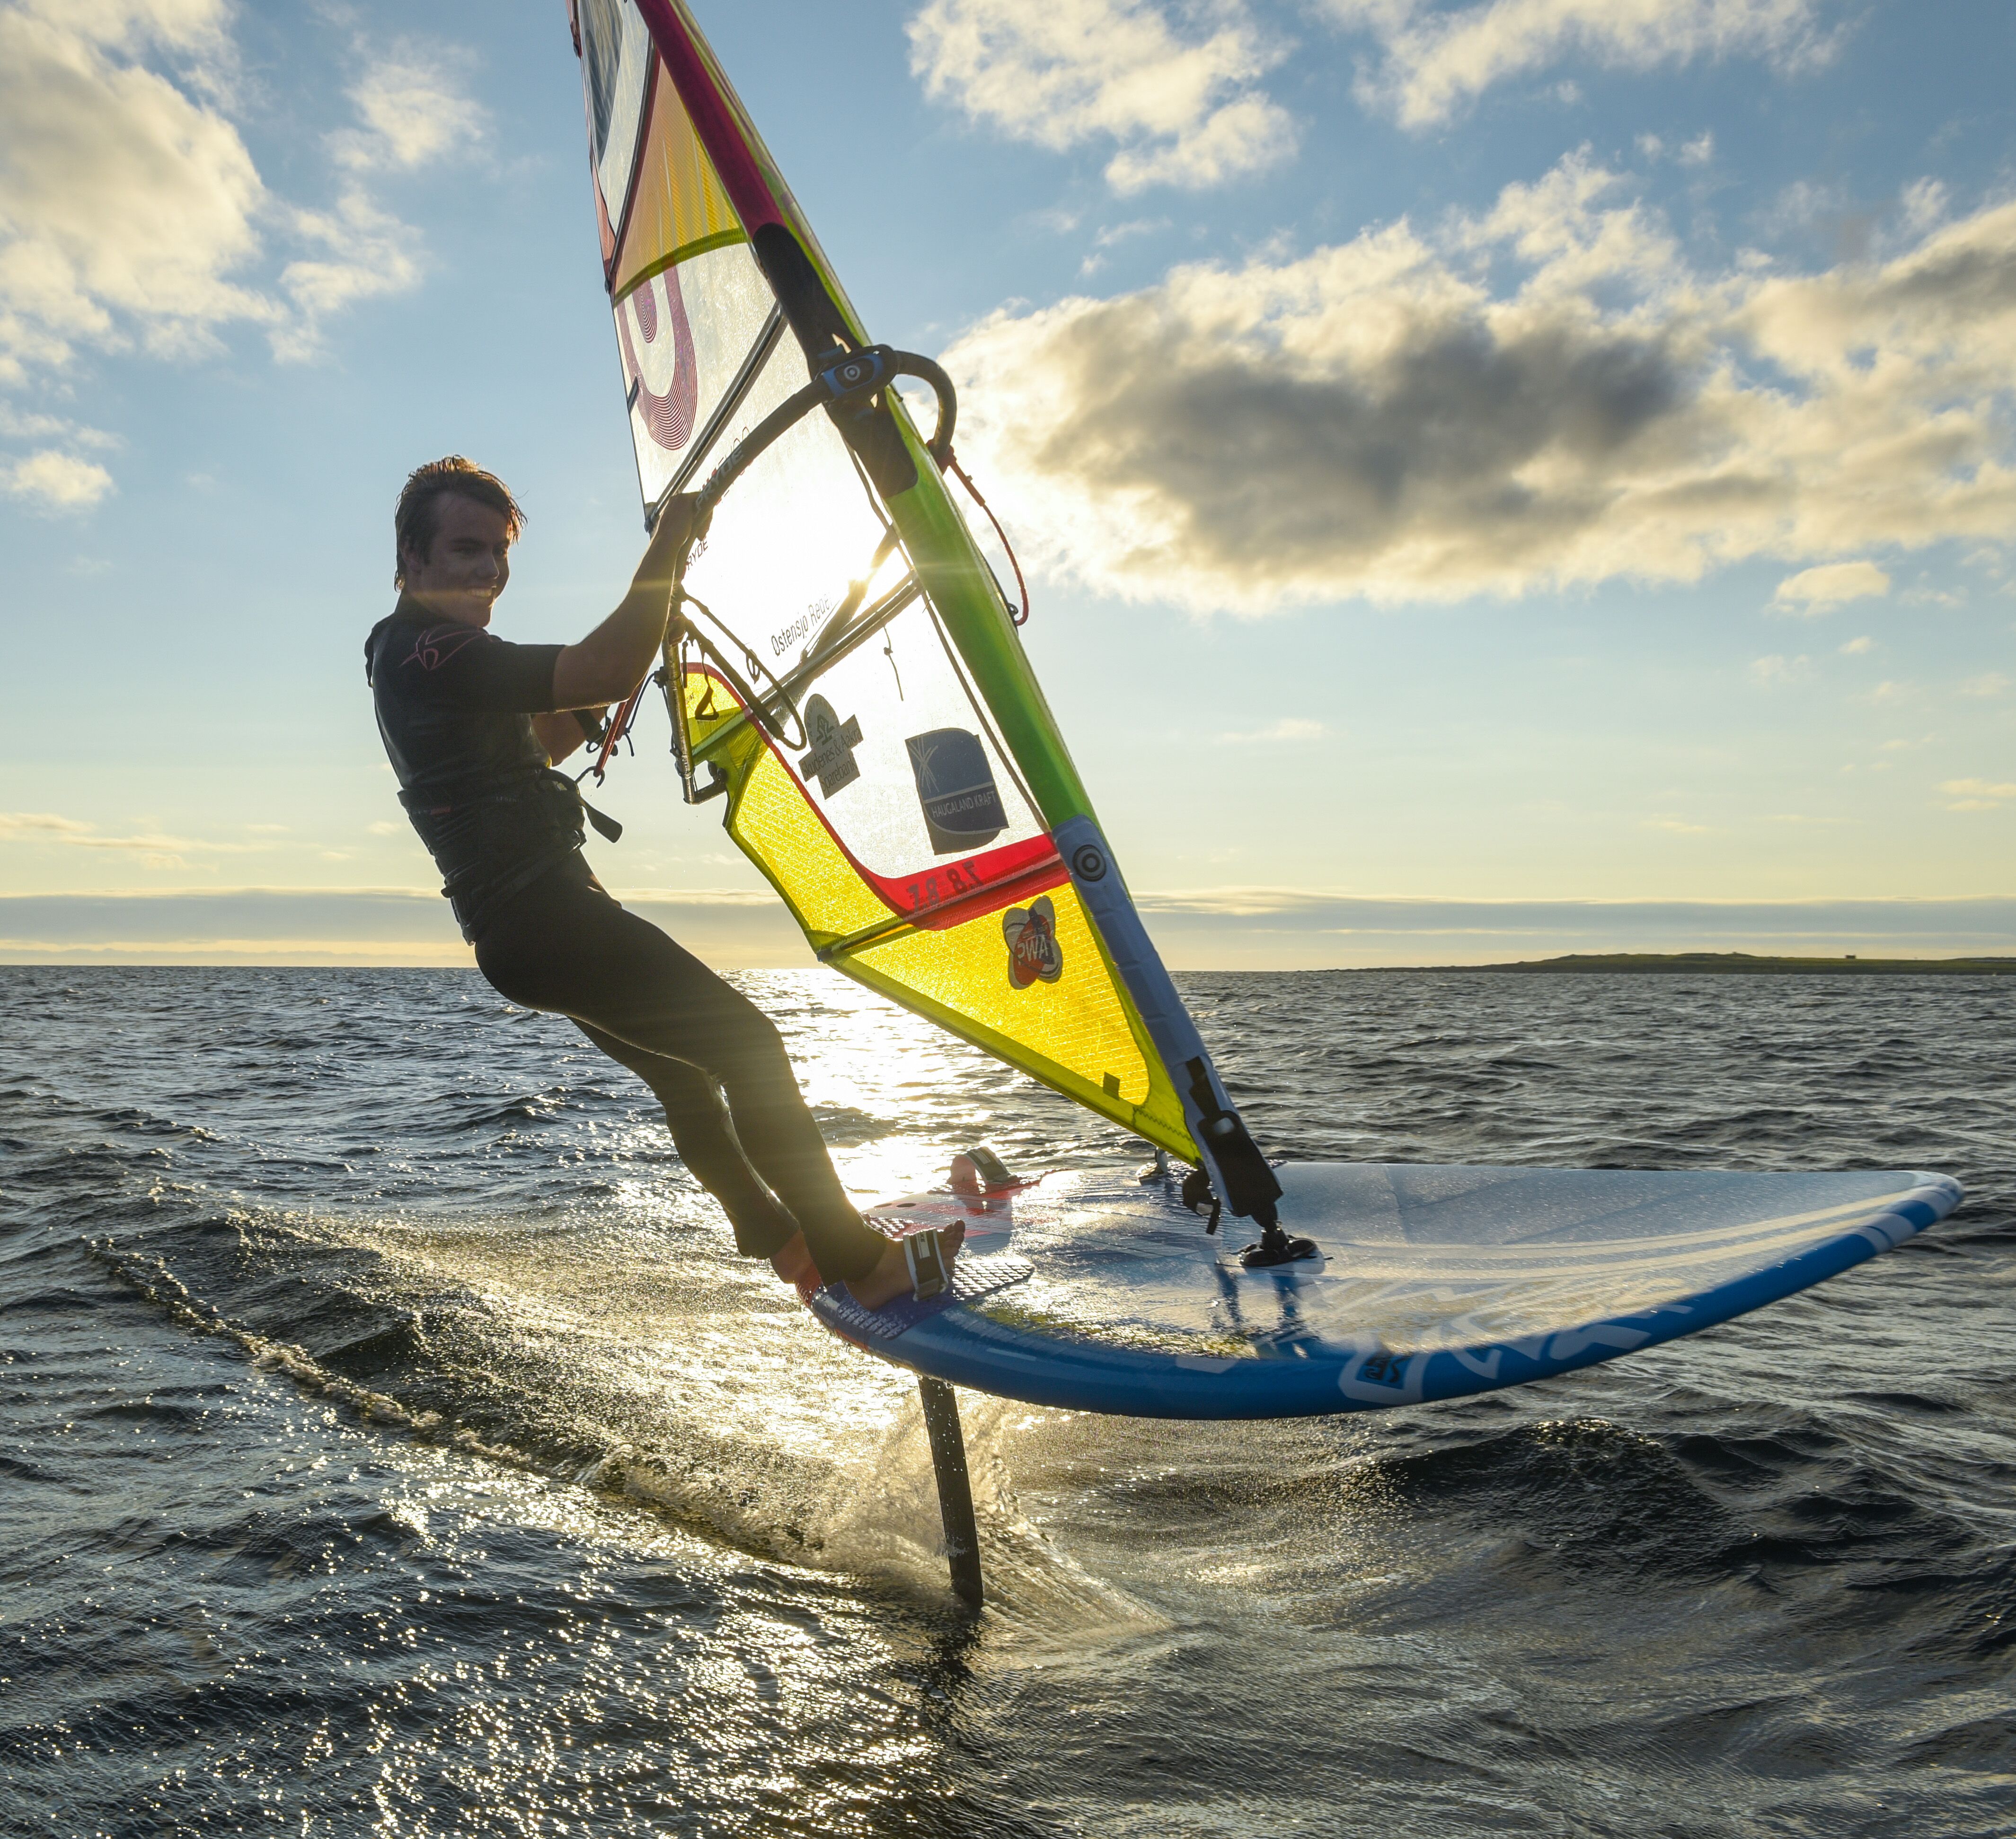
column 248, row 1572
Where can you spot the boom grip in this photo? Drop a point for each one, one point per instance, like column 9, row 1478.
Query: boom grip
column 925, row 370
column 844, row 382
column 852, row 376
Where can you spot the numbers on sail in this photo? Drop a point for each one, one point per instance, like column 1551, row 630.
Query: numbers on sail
column 948, row 882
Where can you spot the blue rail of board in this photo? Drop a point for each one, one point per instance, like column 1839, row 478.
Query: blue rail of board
column 1436, row 1282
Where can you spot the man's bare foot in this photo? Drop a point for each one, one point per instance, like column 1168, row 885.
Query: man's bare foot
column 890, row 1278
column 793, row 1263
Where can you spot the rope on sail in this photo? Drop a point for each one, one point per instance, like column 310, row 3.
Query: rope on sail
column 1019, row 616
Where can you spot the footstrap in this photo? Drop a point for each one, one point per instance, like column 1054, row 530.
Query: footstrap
column 925, row 1256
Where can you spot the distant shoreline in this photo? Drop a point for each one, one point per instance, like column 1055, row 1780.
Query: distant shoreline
column 1744, row 964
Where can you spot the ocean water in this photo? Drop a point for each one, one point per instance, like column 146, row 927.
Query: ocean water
column 390, row 1443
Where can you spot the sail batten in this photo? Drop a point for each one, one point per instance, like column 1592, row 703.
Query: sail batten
column 889, row 762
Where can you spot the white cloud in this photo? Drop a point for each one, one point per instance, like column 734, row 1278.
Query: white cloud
column 1113, row 235
column 1977, row 794
column 1678, row 827
column 410, row 112
column 1777, row 668
column 127, row 204
column 1858, row 647
column 1377, row 420
column 132, row 214
column 1815, row 591
column 40, row 825
column 50, row 479
column 1989, row 683
column 1182, row 108
column 55, row 481
column 1804, row 208
column 155, row 850
column 1435, row 60
column 368, row 253
column 45, row 827
column 16, row 425
column 1924, row 203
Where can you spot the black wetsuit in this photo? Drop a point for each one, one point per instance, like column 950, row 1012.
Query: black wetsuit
column 455, row 705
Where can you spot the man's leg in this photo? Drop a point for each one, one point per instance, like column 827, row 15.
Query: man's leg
column 704, row 1137
column 565, row 946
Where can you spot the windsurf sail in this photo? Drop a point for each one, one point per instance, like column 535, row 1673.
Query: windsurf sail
column 846, row 674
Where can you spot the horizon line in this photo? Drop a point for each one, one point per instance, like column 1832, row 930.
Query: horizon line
column 737, row 896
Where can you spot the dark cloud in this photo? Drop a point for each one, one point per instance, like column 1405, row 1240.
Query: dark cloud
column 1305, row 472
column 1373, row 421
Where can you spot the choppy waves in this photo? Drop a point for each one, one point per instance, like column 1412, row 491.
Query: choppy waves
column 390, row 1442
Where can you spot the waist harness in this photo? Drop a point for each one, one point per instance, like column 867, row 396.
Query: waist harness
column 492, row 839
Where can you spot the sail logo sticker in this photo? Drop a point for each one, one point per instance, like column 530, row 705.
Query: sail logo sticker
column 1034, row 953
column 831, row 760
column 664, row 392
column 956, row 786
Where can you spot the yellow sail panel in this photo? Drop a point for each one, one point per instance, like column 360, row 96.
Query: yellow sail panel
column 777, row 829
column 677, row 209
column 1076, row 1022
column 1056, row 1009
column 1079, row 1035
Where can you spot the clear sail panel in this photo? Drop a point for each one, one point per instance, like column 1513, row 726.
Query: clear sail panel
column 871, row 718
column 688, row 300
column 616, row 58
column 681, row 337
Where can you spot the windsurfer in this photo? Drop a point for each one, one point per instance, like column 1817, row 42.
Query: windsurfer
column 472, row 725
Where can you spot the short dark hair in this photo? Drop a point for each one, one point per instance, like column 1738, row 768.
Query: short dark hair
column 417, row 515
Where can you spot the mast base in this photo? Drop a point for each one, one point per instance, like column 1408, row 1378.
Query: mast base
column 1274, row 1247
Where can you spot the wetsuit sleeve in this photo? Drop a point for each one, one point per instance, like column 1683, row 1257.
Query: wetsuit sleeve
column 461, row 667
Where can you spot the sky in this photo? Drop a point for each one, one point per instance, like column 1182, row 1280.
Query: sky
column 1498, row 478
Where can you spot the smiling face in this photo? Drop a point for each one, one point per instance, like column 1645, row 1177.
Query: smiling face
column 467, row 563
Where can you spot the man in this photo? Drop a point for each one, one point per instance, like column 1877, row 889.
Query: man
column 472, row 725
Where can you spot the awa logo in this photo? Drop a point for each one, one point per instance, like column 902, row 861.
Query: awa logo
column 1033, row 951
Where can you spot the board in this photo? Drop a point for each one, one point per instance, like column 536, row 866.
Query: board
column 1105, row 1294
